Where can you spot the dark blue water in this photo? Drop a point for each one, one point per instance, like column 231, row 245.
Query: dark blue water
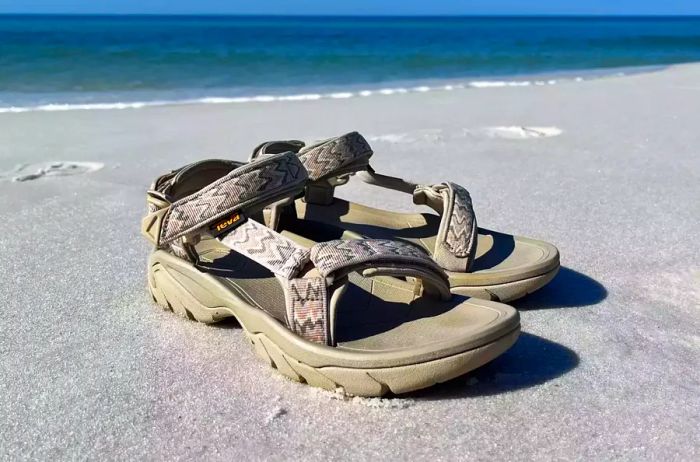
column 46, row 59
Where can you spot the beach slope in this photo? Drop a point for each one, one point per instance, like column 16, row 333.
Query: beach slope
column 608, row 365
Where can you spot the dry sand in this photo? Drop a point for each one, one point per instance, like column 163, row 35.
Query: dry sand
column 608, row 365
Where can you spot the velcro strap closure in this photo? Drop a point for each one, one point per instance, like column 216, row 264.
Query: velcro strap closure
column 248, row 188
column 275, row 252
column 456, row 240
column 373, row 257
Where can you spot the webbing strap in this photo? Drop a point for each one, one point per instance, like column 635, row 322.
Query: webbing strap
column 253, row 185
column 337, row 258
column 306, row 297
column 335, row 156
column 350, row 153
column 308, row 309
column 327, row 158
column 456, row 239
column 272, row 250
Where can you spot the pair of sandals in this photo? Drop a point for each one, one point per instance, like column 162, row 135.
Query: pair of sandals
column 331, row 292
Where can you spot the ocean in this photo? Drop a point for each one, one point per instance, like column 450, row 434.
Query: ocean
column 75, row 62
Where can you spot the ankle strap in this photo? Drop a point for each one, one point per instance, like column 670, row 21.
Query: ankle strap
column 211, row 196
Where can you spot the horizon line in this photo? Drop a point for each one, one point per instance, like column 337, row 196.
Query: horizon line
column 323, row 15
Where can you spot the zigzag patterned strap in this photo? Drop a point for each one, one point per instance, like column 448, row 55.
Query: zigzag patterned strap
column 328, row 158
column 306, row 298
column 335, row 156
column 253, row 185
column 376, row 257
column 275, row 252
column 307, row 309
column 456, row 238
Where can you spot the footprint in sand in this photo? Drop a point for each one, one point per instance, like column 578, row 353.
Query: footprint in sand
column 432, row 135
column 439, row 135
column 28, row 172
column 518, row 132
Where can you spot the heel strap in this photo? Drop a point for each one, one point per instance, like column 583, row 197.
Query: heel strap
column 332, row 157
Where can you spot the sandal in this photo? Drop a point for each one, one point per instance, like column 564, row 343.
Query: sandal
column 371, row 315
column 479, row 262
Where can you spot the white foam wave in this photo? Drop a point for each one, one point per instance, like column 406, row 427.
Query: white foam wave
column 84, row 107
column 304, row 97
column 497, row 84
column 272, row 98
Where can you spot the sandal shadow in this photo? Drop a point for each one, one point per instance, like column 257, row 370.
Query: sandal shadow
column 530, row 362
column 568, row 289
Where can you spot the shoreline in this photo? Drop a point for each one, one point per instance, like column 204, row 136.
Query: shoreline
column 357, row 90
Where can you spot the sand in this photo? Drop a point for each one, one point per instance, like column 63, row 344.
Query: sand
column 608, row 365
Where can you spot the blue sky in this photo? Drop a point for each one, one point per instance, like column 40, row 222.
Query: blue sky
column 362, row 7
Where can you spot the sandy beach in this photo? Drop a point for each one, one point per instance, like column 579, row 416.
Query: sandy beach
column 607, row 367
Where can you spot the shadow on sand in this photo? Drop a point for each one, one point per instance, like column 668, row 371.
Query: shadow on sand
column 531, row 361
column 567, row 290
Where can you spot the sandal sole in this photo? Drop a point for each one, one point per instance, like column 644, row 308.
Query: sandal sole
column 170, row 294
column 508, row 291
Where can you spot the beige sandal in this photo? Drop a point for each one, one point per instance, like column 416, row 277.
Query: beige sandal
column 479, row 262
column 371, row 316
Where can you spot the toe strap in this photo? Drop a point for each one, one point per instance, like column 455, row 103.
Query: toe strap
column 310, row 305
column 376, row 257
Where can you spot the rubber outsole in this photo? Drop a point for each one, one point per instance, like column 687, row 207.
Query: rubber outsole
column 168, row 293
column 508, row 291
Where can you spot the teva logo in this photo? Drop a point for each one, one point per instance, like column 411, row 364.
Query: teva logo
column 228, row 223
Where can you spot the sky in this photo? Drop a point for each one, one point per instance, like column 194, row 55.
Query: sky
column 354, row 7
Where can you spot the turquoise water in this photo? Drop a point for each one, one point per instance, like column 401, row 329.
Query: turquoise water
column 72, row 59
